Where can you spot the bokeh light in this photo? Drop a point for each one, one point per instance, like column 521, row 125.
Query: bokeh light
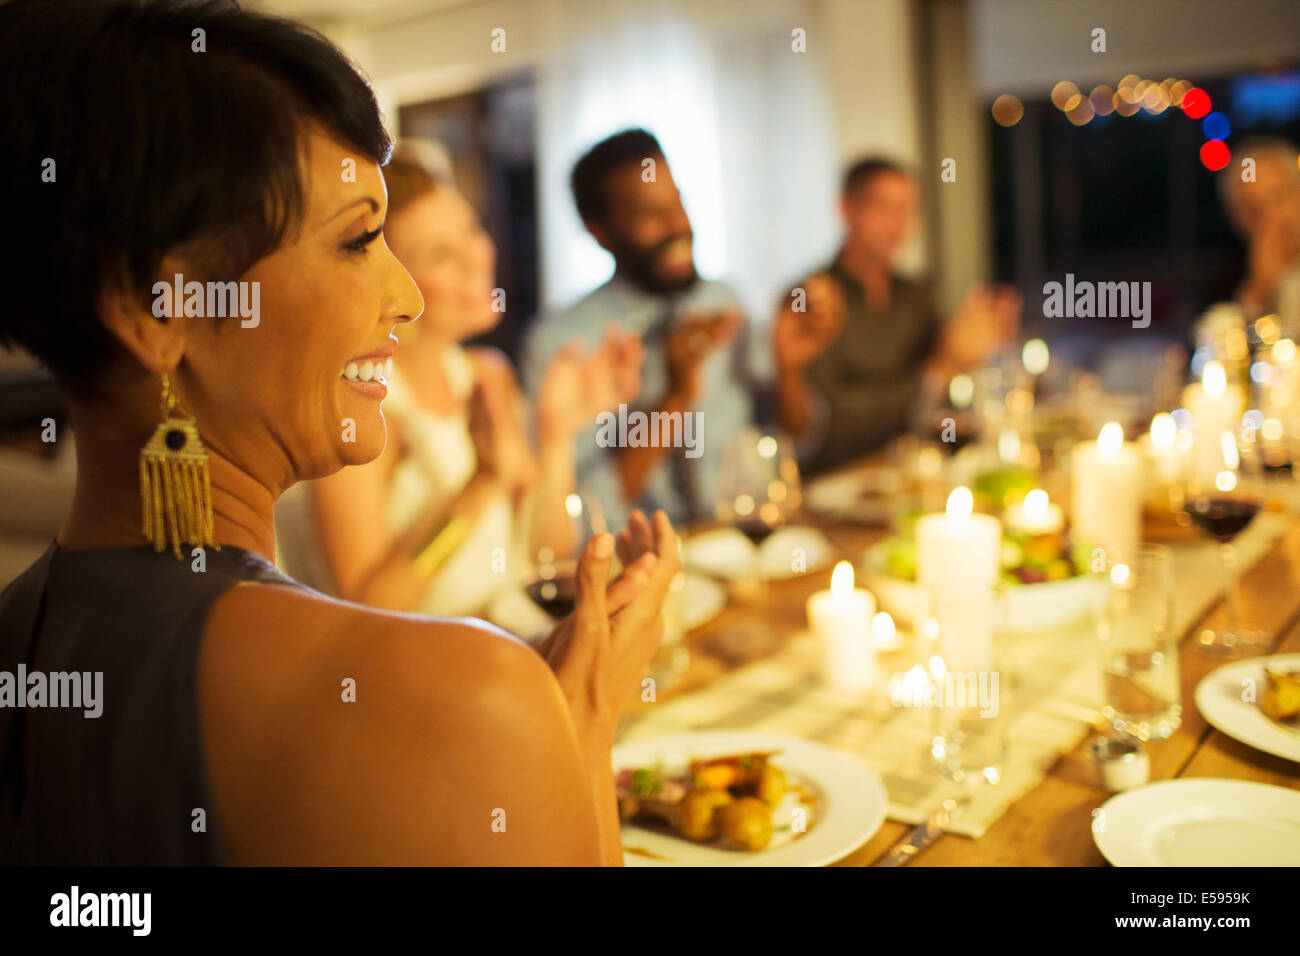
column 1216, row 126
column 1081, row 111
column 1035, row 356
column 1103, row 100
column 1215, row 155
column 1008, row 110
column 1196, row 103
column 1123, row 105
column 1065, row 96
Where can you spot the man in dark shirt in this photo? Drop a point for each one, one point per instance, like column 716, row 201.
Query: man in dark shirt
column 858, row 347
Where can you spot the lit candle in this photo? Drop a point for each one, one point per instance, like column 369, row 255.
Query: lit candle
column 841, row 619
column 1035, row 515
column 958, row 550
column 1164, row 453
column 1214, row 404
column 958, row 558
column 1106, row 502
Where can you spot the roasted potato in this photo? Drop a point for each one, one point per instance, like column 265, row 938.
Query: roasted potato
column 696, row 817
column 746, row 824
column 1281, row 700
column 771, row 785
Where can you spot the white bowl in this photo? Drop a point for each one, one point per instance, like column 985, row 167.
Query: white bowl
column 1030, row 607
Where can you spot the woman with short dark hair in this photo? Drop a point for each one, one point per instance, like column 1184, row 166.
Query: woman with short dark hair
column 200, row 261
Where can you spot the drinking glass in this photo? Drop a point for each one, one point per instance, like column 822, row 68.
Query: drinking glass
column 967, row 685
column 758, row 492
column 1139, row 651
column 1222, row 492
column 548, row 578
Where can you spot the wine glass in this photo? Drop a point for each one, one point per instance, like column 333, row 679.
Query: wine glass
column 758, row 483
column 549, row 578
column 757, row 493
column 1222, row 492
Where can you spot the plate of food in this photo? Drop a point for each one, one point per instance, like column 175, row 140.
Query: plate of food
column 1200, row 822
column 742, row 798
column 1256, row 701
column 1048, row 584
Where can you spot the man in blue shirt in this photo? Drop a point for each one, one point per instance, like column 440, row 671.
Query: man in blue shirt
column 696, row 374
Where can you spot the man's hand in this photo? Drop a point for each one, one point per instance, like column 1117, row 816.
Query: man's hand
column 577, row 386
column 690, row 342
column 1273, row 246
column 799, row 337
column 600, row 652
column 989, row 316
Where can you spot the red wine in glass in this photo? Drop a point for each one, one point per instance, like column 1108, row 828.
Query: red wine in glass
column 755, row 529
column 556, row 596
column 1223, row 518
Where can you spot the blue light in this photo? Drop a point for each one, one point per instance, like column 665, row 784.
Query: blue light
column 1216, row 126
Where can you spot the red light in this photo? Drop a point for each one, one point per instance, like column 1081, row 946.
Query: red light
column 1215, row 155
column 1196, row 102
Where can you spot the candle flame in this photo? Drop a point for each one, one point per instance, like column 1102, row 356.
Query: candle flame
column 1163, row 430
column 882, row 626
column 1214, row 379
column 842, row 580
column 573, row 505
column 960, row 504
column 1035, row 506
column 1110, row 439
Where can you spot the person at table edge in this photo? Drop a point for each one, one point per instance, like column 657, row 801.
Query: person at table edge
column 862, row 349
column 692, row 329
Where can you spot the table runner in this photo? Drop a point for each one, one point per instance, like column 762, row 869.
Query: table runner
column 1057, row 697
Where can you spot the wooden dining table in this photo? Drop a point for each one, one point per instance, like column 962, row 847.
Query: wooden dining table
column 1052, row 824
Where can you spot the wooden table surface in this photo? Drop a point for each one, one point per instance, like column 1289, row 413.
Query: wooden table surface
column 1052, row 824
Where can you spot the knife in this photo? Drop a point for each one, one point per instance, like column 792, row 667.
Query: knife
column 922, row 835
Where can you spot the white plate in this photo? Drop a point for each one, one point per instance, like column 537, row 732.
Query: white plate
column 727, row 554
column 850, row 807
column 858, row 495
column 1200, row 822
column 1030, row 607
column 702, row 600
column 1218, row 698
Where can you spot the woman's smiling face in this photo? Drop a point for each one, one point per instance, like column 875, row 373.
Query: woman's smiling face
column 285, row 398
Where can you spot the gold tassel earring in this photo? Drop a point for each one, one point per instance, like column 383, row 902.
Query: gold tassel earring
column 175, row 487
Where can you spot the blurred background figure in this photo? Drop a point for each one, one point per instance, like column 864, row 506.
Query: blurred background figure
column 439, row 523
column 692, row 330
column 1265, row 212
column 857, row 345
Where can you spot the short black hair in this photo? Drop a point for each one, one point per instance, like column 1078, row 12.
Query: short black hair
column 591, row 171
column 867, row 169
column 153, row 145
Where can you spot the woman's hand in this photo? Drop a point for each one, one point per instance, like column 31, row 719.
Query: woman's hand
column 600, row 652
column 499, row 441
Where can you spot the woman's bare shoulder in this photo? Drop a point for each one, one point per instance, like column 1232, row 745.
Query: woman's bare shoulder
column 340, row 733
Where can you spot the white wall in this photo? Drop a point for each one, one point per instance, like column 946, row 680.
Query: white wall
column 1026, row 46
column 757, row 134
